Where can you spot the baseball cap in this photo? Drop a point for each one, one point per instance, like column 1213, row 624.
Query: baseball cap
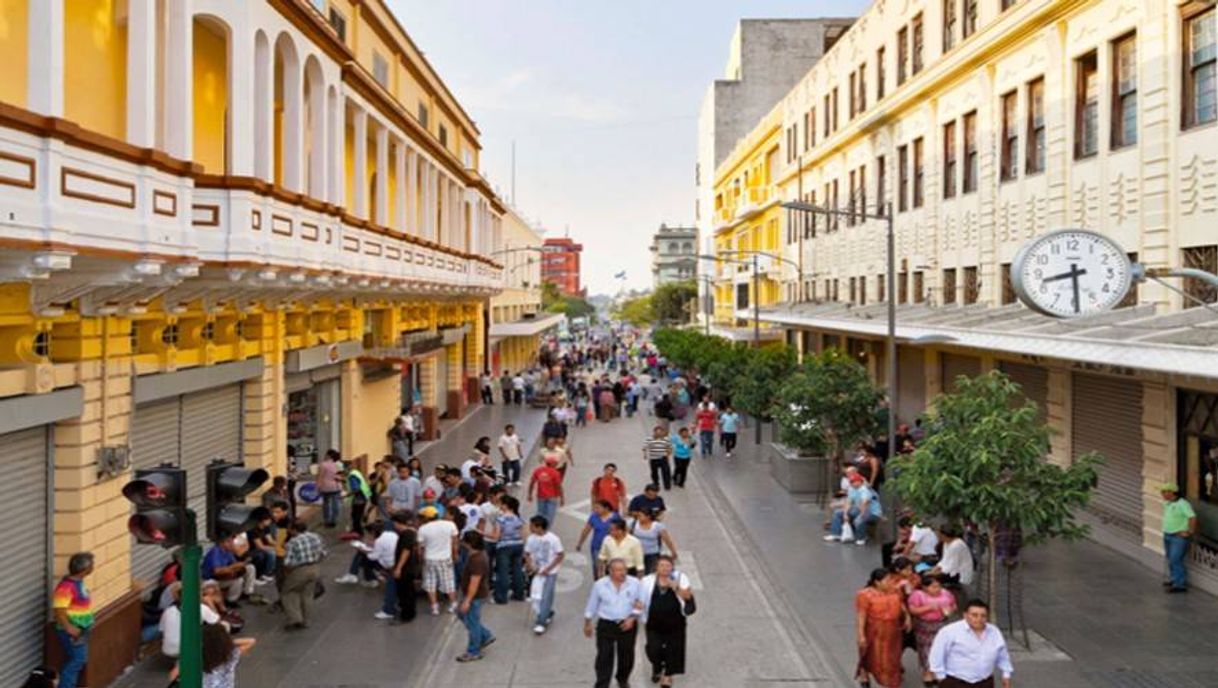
column 1170, row 487
column 429, row 493
column 428, row 512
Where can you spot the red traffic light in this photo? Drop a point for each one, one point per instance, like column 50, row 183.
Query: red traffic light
column 156, row 527
column 157, row 487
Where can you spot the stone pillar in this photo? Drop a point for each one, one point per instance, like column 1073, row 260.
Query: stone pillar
column 359, row 204
column 399, row 191
column 179, row 80
column 141, row 73
column 264, row 425
column 1058, row 414
column 46, row 60
column 382, row 176
column 293, row 127
column 411, row 205
column 1158, row 456
column 241, row 105
column 337, row 174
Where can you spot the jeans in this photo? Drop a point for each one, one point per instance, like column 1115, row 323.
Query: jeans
column 581, row 416
column 330, row 504
column 264, row 562
column 548, row 508
column 357, row 516
column 545, row 608
column 389, row 603
column 1176, row 548
column 75, row 652
column 661, row 470
column 680, row 470
column 511, row 471
column 729, row 441
column 509, row 566
column 858, row 520
column 708, row 442
column 479, row 635
column 361, row 564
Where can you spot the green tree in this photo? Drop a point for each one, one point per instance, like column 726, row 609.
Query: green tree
column 550, row 295
column 827, row 405
column 572, row 307
column 671, row 301
column 639, row 311
column 756, row 388
column 985, row 464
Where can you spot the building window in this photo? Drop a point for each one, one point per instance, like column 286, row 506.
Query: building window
column 1007, row 4
column 902, row 178
column 835, row 218
column 853, row 102
column 968, row 23
column 443, row 135
column 879, row 73
column 1200, row 77
column 380, row 69
column 828, row 104
column 808, row 124
column 949, row 24
column 850, row 203
column 1036, row 127
column 853, row 294
column 833, row 107
column 902, row 55
column 862, row 87
column 1086, row 106
column 919, row 286
column 1008, row 288
column 1125, row 91
column 916, row 58
column 972, row 288
column 949, row 286
column 970, row 152
column 903, row 287
column 423, row 115
column 1008, row 169
column 949, row 160
column 862, row 191
column 1200, row 258
column 811, row 127
column 881, row 182
column 918, row 172
column 339, row 24
column 880, row 288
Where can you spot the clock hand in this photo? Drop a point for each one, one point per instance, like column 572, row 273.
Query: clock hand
column 1074, row 273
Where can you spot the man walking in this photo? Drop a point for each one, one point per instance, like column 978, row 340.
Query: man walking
column 729, row 422
column 487, row 387
column 707, row 417
column 543, row 554
column 475, row 588
column 505, row 387
column 1179, row 524
column 404, row 492
column 518, row 389
column 966, row 653
column 546, row 481
column 73, row 609
column 657, row 451
column 302, row 562
column 612, row 611
column 511, row 453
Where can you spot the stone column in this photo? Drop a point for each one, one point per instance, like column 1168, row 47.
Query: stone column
column 359, row 204
column 178, row 100
column 46, row 60
column 141, row 73
column 382, row 175
column 399, row 191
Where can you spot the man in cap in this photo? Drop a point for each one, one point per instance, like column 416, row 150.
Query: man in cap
column 438, row 538
column 546, row 482
column 1179, row 524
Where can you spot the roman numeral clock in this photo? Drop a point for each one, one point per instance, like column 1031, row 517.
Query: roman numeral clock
column 1072, row 273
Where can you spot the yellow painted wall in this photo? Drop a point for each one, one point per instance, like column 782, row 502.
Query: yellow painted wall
column 95, row 66
column 14, row 51
column 372, row 407
column 210, row 98
column 393, row 190
column 369, row 177
column 278, row 121
column 349, row 164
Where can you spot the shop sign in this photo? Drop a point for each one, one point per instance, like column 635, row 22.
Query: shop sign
column 301, row 360
column 419, row 343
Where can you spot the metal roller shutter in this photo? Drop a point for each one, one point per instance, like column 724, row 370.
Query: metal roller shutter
column 154, row 440
column 1033, row 380
column 211, row 429
column 911, row 384
column 955, row 365
column 23, row 568
column 1107, row 418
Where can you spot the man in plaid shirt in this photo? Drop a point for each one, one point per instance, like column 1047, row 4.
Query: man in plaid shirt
column 302, row 561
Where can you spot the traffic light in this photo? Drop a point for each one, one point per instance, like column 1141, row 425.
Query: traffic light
column 228, row 484
column 159, row 496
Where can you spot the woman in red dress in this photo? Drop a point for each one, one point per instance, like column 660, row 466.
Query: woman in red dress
column 881, row 620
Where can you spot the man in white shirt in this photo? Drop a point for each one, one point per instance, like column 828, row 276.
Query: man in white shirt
column 438, row 537
column 518, row 389
column 404, row 491
column 965, row 653
column 543, row 554
column 171, row 621
column 957, row 561
column 371, row 560
column 923, row 542
column 511, row 452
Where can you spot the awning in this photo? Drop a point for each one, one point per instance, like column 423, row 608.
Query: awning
column 527, row 327
column 1180, row 343
column 767, row 333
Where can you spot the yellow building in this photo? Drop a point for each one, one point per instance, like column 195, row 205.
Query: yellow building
column 517, row 321
column 231, row 229
column 983, row 125
column 747, row 216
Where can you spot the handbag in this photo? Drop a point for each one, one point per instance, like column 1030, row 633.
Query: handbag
column 847, row 531
column 691, row 606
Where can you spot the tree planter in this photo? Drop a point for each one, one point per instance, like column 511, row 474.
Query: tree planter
column 798, row 473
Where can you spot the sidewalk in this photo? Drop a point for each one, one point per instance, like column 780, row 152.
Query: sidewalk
column 739, row 638
column 345, row 646
column 1105, row 612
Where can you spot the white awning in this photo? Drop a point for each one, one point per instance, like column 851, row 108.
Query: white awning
column 1181, row 343
column 527, row 327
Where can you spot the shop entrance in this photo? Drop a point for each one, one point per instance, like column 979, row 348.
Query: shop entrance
column 1198, row 460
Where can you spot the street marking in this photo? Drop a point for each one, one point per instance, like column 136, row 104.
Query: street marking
column 580, row 510
column 689, row 566
column 571, row 573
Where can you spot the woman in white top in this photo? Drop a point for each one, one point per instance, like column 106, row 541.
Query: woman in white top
column 665, row 595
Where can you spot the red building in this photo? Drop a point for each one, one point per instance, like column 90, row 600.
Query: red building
column 560, row 264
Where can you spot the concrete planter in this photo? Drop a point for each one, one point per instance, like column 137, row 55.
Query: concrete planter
column 797, row 473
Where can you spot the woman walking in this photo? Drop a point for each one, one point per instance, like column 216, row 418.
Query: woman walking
column 652, row 534
column 930, row 606
column 509, row 553
column 221, row 653
column 682, row 454
column 666, row 597
column 880, row 618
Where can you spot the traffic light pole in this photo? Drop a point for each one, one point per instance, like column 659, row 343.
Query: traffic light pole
column 190, row 660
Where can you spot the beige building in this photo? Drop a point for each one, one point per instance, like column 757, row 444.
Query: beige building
column 517, row 322
column 982, row 124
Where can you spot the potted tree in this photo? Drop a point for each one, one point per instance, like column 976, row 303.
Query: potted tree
column 827, row 405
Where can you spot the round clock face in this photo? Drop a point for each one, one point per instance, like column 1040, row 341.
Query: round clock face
column 1071, row 273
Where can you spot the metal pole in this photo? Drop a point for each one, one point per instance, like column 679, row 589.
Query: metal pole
column 891, row 343
column 757, row 326
column 190, row 659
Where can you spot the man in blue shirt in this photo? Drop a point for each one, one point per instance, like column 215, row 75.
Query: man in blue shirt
column 729, row 421
column 966, row 653
column 235, row 576
column 862, row 507
column 614, row 606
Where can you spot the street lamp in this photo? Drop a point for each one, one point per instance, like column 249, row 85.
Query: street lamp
column 890, row 347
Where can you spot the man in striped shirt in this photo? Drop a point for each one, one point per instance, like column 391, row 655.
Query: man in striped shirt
column 657, row 451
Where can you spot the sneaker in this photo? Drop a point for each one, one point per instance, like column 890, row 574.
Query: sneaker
column 265, row 580
column 488, row 642
column 370, row 584
column 467, row 657
column 539, row 629
column 729, row 455
column 435, row 610
column 346, row 579
column 452, row 608
column 833, row 538
column 860, row 542
column 382, row 616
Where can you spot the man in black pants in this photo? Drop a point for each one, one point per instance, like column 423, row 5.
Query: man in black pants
column 614, row 606
column 657, row 451
column 407, row 565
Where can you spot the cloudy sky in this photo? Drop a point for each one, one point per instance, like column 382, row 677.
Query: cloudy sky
column 601, row 100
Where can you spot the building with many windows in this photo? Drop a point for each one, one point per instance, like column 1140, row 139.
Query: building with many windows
column 517, row 322
column 238, row 230
column 674, row 253
column 982, row 124
column 560, row 264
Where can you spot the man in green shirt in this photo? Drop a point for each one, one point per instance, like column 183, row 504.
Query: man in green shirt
column 1179, row 524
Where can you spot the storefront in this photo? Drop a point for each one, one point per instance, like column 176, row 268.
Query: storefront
column 1107, row 418
column 314, row 401
column 1197, row 419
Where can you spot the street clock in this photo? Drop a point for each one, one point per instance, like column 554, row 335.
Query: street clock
column 1071, row 273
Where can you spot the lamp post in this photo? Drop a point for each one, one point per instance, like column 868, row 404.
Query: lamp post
column 890, row 347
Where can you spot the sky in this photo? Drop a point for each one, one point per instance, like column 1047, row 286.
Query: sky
column 601, row 100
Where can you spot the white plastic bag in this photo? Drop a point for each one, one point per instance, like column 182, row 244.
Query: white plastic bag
column 536, row 590
column 847, row 531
